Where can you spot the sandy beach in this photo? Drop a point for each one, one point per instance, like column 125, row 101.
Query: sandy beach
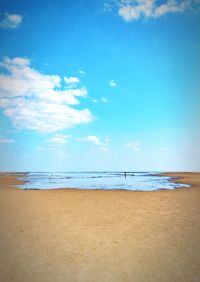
column 76, row 235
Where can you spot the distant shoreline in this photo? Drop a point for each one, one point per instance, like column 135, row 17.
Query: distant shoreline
column 100, row 181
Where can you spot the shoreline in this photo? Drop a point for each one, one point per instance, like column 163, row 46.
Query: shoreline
column 79, row 235
column 175, row 178
column 184, row 177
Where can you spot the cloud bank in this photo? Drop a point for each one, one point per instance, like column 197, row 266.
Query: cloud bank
column 36, row 101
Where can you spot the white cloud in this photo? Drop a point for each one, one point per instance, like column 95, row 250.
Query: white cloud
column 82, row 72
column 136, row 10
column 36, row 101
column 59, row 139
column 112, row 83
column 170, row 6
column 104, row 100
column 6, row 141
column 71, row 80
column 131, row 10
column 134, row 146
column 94, row 139
column 64, row 96
column 10, row 20
column 91, row 138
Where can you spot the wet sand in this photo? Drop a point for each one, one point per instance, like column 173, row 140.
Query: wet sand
column 102, row 236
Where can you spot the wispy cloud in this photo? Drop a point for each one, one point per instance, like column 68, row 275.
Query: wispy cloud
column 82, row 72
column 112, row 83
column 107, row 7
column 131, row 10
column 36, row 101
column 91, row 138
column 134, row 146
column 59, row 139
column 104, row 100
column 95, row 140
column 10, row 20
column 71, row 81
column 6, row 141
column 104, row 149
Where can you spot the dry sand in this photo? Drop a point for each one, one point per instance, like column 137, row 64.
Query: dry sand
column 100, row 236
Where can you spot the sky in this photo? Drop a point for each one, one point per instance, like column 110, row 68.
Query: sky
column 89, row 85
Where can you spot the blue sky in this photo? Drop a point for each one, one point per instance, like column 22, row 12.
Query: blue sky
column 99, row 85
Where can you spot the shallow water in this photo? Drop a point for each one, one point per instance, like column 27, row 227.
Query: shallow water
column 135, row 181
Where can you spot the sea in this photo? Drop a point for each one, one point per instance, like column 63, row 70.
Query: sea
column 107, row 180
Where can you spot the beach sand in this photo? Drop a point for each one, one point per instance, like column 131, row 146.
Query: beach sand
column 100, row 236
